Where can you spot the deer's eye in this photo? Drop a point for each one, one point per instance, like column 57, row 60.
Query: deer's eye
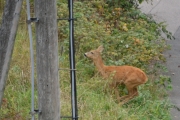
column 92, row 53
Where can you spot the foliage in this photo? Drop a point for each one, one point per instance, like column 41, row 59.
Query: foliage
column 128, row 36
column 126, row 4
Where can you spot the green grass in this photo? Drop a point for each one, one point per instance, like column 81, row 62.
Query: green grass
column 95, row 100
column 17, row 93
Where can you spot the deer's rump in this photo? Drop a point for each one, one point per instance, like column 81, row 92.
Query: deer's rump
column 127, row 74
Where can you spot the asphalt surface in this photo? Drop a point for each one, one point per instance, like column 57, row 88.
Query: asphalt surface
column 169, row 12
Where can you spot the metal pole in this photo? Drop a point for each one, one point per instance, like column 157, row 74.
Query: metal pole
column 32, row 58
column 72, row 63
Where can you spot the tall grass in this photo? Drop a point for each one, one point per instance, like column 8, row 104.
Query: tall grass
column 17, row 92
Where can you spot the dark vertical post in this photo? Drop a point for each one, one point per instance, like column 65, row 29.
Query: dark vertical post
column 47, row 60
column 72, row 63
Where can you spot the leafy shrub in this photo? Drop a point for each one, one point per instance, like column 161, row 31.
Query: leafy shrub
column 126, row 4
column 128, row 37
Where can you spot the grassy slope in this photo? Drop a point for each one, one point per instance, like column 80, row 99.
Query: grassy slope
column 95, row 26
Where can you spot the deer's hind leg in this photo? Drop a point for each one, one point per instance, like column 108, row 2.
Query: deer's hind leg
column 132, row 92
column 126, row 96
column 114, row 86
column 131, row 84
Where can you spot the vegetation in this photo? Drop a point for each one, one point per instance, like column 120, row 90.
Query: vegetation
column 128, row 36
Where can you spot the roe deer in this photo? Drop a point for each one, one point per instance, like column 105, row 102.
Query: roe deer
column 130, row 76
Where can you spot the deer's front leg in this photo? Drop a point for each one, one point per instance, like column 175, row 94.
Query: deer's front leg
column 113, row 86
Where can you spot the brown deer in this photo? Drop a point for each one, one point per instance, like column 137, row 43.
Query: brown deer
column 130, row 76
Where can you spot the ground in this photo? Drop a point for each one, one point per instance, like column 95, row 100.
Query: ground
column 169, row 11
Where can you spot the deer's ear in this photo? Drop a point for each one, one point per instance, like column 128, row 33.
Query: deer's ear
column 100, row 48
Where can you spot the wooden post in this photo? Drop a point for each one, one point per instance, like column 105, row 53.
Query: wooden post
column 47, row 60
column 8, row 31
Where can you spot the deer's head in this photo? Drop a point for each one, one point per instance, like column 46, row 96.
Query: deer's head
column 94, row 54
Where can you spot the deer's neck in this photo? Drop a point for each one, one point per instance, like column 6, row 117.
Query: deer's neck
column 100, row 66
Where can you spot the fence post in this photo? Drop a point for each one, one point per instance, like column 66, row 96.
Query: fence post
column 72, row 62
column 47, row 60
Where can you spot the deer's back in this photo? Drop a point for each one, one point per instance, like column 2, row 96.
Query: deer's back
column 126, row 74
